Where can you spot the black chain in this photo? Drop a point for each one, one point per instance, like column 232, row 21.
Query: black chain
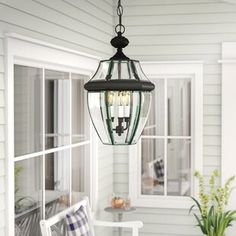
column 120, row 28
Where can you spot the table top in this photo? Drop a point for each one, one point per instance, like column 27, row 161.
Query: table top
column 119, row 210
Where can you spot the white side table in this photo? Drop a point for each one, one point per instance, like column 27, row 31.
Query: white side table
column 119, row 212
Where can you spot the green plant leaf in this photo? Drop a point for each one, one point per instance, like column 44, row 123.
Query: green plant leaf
column 197, row 204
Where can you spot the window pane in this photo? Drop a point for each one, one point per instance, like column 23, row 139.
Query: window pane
column 155, row 122
column 57, row 108
column 179, row 167
column 57, row 182
column 152, row 166
column 28, row 196
column 79, row 177
column 179, row 107
column 80, row 119
column 27, row 109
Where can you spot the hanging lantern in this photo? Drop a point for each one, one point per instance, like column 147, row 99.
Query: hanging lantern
column 119, row 94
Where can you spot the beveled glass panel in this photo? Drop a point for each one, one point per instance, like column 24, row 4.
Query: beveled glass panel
column 179, row 167
column 57, row 182
column 57, row 109
column 116, row 69
column 152, row 170
column 79, row 176
column 155, row 123
column 28, row 196
column 27, row 110
column 80, row 118
column 139, row 113
column 179, row 107
column 95, row 107
column 119, row 116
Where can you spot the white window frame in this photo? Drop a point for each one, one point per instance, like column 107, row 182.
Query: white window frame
column 31, row 52
column 157, row 70
column 228, row 130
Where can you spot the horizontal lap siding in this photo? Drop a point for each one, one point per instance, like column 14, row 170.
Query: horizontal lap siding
column 165, row 30
column 82, row 25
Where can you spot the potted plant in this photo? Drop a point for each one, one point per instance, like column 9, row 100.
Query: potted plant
column 213, row 218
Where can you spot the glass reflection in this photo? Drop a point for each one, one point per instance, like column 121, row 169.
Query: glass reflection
column 79, row 176
column 152, row 166
column 28, row 196
column 179, row 107
column 155, row 122
column 57, row 108
column 80, row 119
column 179, row 167
column 57, row 182
column 27, row 109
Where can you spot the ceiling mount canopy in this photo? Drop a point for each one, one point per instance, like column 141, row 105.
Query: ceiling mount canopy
column 119, row 94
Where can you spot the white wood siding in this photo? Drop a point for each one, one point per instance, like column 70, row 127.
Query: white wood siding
column 83, row 25
column 179, row 30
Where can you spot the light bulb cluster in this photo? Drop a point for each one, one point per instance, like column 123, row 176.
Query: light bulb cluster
column 124, row 98
column 121, row 98
column 119, row 102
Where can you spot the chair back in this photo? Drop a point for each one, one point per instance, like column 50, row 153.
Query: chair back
column 47, row 225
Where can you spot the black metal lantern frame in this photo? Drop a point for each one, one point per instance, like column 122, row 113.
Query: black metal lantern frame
column 119, row 94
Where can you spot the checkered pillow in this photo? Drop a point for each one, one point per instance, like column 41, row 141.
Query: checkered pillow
column 77, row 223
column 159, row 169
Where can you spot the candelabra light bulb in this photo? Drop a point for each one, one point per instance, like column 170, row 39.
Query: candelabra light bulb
column 110, row 98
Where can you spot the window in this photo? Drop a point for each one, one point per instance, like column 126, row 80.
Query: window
column 170, row 146
column 49, row 134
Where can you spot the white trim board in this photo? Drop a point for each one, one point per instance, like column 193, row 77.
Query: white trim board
column 228, row 159
column 46, row 44
column 228, row 50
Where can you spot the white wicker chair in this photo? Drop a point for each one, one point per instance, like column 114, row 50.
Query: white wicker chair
column 47, row 225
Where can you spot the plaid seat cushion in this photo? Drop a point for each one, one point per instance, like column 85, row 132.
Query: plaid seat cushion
column 159, row 169
column 77, row 223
